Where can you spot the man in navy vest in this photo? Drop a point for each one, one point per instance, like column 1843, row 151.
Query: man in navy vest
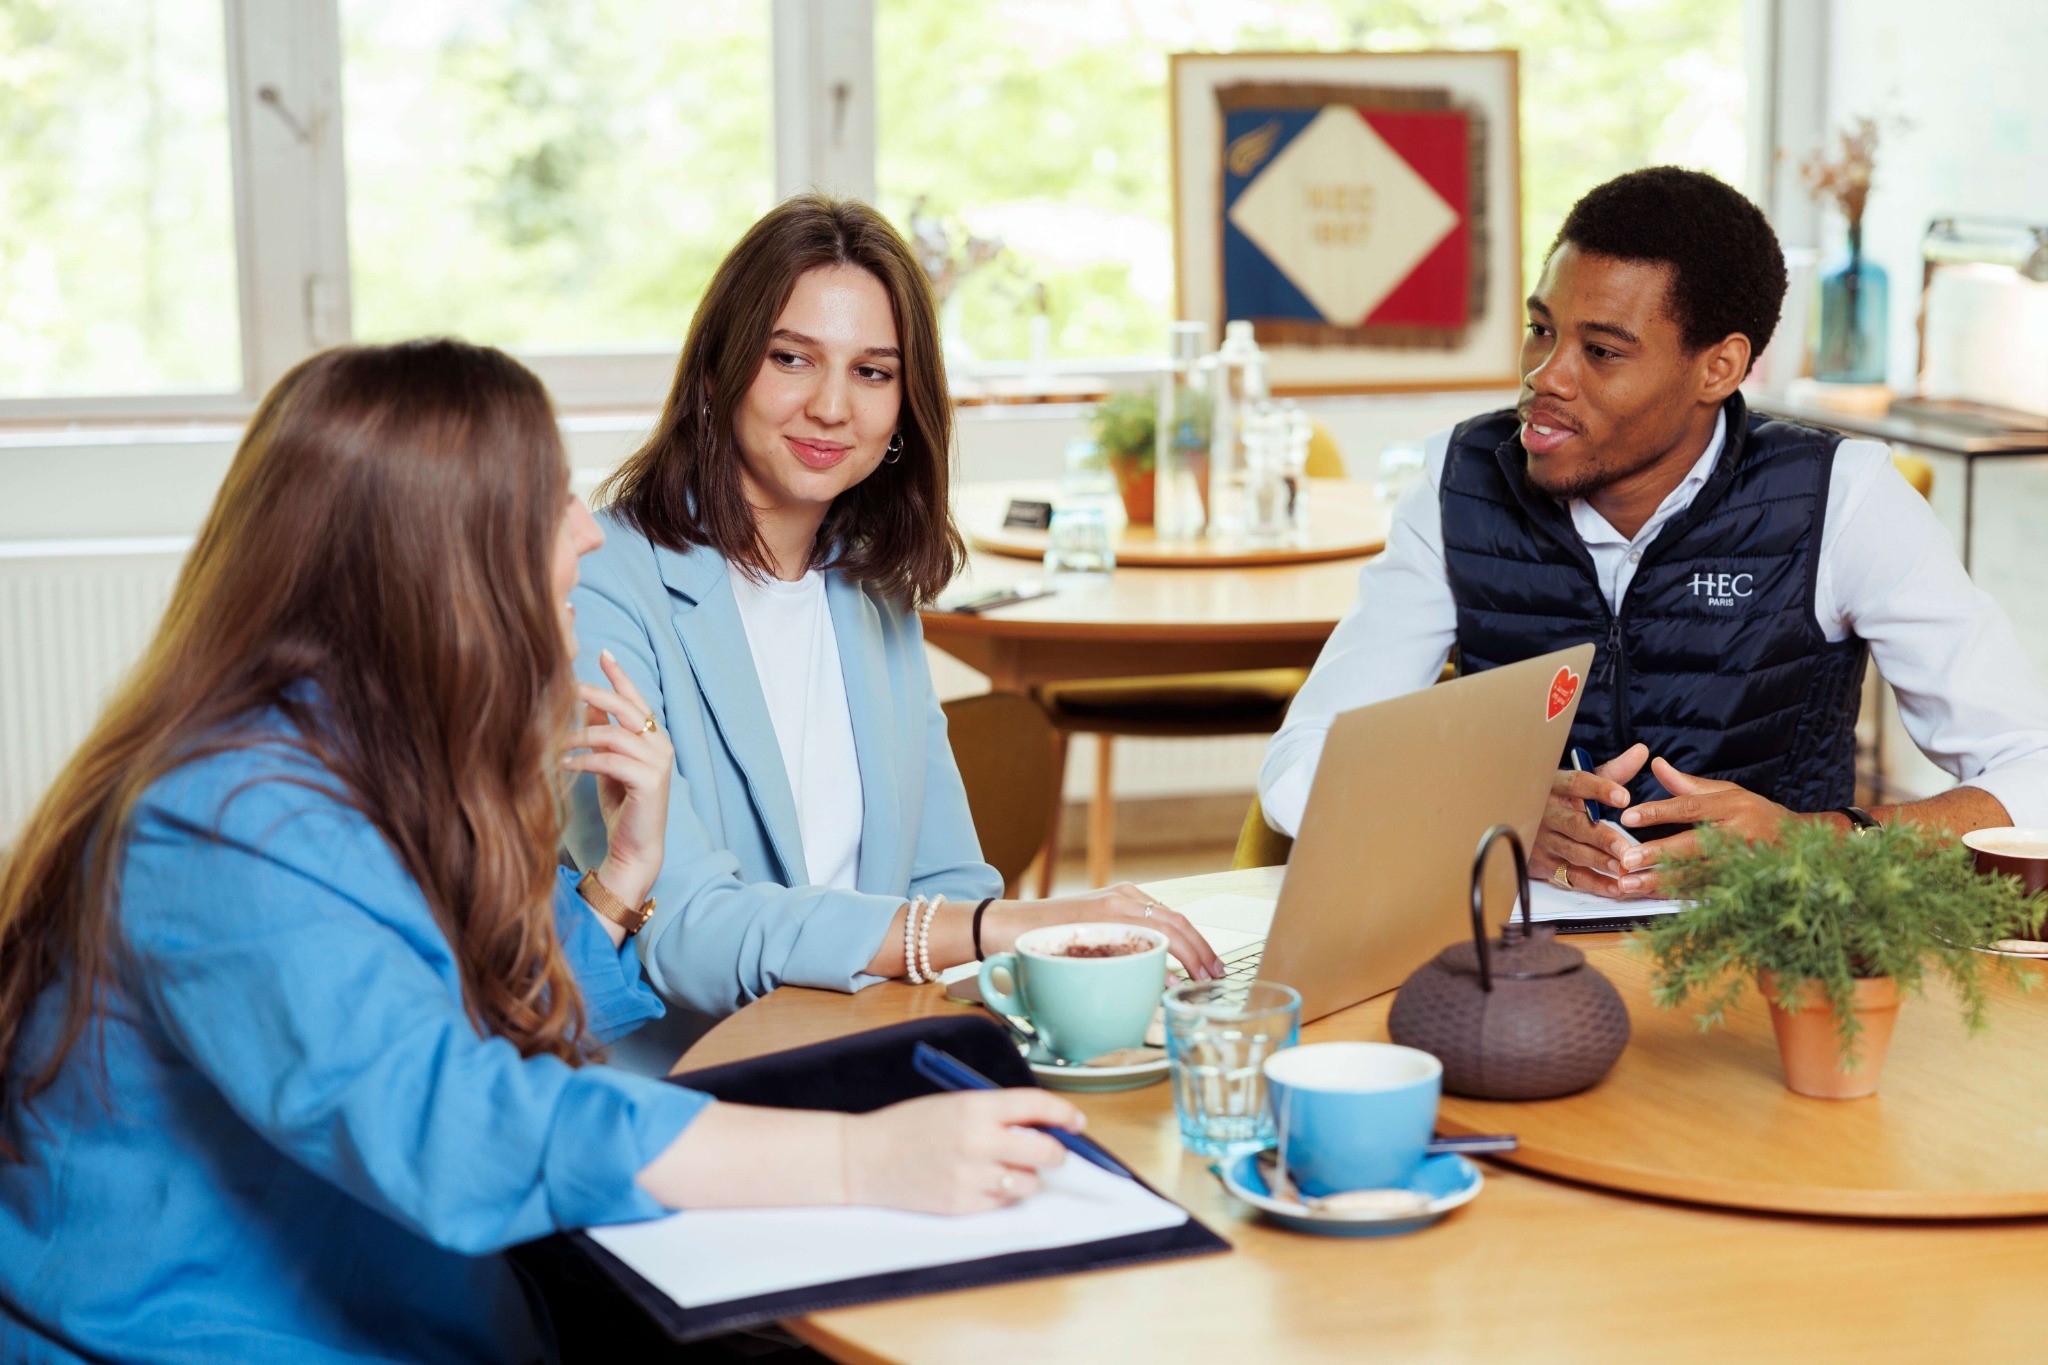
column 1735, row 573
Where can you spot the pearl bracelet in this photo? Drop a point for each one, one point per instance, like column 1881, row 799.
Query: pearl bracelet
column 924, row 939
column 910, row 942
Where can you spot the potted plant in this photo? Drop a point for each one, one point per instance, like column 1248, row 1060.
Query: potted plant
column 1123, row 425
column 1835, row 929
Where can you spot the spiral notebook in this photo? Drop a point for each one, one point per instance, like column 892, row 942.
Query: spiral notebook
column 702, row 1273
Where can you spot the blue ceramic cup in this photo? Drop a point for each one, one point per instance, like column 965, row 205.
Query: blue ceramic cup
column 1082, row 1006
column 1352, row 1116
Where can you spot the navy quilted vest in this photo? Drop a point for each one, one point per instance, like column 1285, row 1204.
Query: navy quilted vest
column 1714, row 660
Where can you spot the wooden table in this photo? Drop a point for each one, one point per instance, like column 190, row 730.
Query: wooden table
column 1146, row 622
column 1535, row 1269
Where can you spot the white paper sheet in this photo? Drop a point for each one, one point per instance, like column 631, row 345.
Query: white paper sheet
column 718, row 1255
column 1230, row 922
column 1549, row 901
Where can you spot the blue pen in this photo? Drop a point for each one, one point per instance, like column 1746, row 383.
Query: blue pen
column 948, row 1072
column 1583, row 761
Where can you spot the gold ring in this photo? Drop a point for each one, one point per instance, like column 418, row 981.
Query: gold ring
column 648, row 728
column 1563, row 876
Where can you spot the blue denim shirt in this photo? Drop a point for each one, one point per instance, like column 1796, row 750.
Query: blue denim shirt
column 304, row 1149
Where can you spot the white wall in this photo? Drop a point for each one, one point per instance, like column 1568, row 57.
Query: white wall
column 1967, row 78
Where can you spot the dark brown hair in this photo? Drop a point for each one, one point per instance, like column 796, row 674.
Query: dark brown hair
column 385, row 530
column 893, row 531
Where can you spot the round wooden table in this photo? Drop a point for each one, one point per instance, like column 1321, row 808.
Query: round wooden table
column 1535, row 1269
column 1145, row 622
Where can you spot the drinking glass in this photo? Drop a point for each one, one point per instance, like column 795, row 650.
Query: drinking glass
column 1401, row 464
column 1078, row 553
column 1218, row 1036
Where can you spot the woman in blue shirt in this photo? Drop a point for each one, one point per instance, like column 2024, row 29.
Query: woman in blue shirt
column 767, row 551
column 296, row 1010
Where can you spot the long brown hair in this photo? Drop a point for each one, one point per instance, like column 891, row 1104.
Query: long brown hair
column 893, row 531
column 385, row 531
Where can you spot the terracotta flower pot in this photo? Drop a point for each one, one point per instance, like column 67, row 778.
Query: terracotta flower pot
column 1810, row 1048
column 1137, row 486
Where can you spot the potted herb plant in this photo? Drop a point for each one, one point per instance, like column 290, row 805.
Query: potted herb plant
column 1835, row 929
column 1124, row 426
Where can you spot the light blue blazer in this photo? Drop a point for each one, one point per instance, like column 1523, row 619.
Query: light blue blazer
column 733, row 917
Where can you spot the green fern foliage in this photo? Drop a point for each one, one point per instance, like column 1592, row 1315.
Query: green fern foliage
column 1818, row 906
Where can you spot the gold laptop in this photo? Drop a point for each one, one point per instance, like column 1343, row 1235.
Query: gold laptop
column 1381, row 874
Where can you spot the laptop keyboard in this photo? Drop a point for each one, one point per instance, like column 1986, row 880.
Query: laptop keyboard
column 1239, row 964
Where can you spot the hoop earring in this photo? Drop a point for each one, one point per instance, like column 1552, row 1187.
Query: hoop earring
column 894, row 449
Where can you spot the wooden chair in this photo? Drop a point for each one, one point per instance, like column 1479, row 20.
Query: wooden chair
column 1185, row 706
column 1004, row 747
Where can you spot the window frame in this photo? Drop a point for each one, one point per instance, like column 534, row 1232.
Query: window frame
column 290, row 217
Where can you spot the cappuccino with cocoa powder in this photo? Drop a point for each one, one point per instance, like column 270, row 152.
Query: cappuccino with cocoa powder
column 1122, row 947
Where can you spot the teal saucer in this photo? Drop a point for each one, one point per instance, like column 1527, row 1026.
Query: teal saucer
column 1448, row 1180
column 1054, row 1075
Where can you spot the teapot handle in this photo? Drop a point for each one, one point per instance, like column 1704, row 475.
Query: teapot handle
column 1486, row 842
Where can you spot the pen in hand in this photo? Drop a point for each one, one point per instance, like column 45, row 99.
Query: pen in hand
column 1583, row 762
column 948, row 1072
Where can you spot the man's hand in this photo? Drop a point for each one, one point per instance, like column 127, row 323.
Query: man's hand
column 1591, row 853
column 1695, row 801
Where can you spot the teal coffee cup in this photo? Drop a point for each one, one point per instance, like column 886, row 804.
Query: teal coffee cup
column 1083, row 996
column 1352, row 1116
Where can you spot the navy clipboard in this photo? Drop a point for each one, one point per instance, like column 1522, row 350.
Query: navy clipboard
column 854, row 1075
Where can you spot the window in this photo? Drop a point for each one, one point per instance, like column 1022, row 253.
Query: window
column 1043, row 123
column 195, row 193
column 549, row 174
column 117, row 248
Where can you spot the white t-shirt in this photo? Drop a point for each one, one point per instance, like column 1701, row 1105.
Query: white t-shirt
column 796, row 657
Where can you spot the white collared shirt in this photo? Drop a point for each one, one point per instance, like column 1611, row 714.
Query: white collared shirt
column 1887, row 574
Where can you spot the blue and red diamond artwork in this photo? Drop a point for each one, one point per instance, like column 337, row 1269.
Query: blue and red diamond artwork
column 1351, row 221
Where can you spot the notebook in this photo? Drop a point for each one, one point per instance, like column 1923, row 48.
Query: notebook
column 703, row 1273
column 719, row 1256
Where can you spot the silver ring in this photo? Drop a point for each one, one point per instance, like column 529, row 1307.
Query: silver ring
column 1007, row 1185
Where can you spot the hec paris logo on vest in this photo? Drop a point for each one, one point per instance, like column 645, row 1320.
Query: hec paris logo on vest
column 1722, row 589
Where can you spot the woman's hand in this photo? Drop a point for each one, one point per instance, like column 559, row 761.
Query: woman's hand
column 632, row 762
column 960, row 1153
column 1119, row 904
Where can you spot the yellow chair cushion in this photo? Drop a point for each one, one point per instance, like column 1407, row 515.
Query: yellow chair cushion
column 1258, row 843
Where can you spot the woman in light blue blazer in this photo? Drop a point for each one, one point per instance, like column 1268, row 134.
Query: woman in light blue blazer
column 297, row 1010
column 767, row 550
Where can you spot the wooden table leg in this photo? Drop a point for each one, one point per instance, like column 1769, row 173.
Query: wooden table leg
column 1102, row 814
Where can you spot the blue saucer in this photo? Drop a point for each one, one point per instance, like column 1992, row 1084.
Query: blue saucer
column 1448, row 1180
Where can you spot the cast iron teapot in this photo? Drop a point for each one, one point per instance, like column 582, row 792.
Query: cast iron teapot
column 1519, row 1017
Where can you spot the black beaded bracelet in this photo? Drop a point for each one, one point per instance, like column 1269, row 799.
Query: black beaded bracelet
column 977, row 926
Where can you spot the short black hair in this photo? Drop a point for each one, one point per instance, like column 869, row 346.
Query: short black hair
column 1728, row 272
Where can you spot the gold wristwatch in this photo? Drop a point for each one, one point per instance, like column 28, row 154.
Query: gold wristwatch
column 599, row 897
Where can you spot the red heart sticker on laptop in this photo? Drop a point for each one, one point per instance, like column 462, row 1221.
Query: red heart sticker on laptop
column 1563, row 688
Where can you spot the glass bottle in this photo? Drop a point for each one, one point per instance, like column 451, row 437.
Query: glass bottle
column 1240, row 382
column 1186, row 408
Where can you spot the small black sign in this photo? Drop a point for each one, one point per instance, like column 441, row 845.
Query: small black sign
column 1029, row 516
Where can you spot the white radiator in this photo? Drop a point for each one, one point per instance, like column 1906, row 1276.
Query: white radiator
column 74, row 617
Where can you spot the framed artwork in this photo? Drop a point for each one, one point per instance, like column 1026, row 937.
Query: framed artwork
column 1362, row 209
